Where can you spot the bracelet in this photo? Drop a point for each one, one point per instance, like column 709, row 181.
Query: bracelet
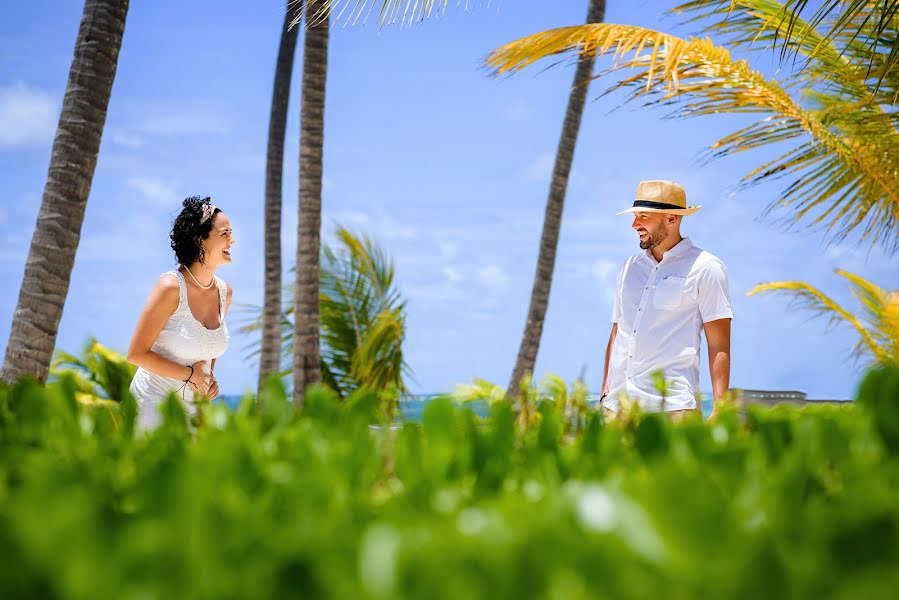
column 191, row 373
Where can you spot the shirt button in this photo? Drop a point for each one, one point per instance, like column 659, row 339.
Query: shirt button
column 639, row 309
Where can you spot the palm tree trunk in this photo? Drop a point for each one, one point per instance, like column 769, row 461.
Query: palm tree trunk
column 51, row 257
column 269, row 359
column 307, row 365
column 552, row 220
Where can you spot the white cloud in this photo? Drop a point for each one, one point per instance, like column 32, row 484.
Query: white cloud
column 604, row 270
column 353, row 218
column 127, row 140
column 154, row 190
column 141, row 236
column 449, row 250
column 28, row 116
column 380, row 226
column 492, row 276
column 183, row 124
column 517, row 111
column 540, row 169
column 453, row 275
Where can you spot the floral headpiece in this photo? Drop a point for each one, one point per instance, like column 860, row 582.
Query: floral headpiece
column 208, row 209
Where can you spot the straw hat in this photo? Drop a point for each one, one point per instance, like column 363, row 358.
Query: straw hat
column 661, row 197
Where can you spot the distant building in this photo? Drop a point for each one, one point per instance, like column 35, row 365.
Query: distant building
column 772, row 397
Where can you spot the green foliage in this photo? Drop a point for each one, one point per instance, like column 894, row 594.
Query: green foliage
column 363, row 321
column 99, row 374
column 788, row 502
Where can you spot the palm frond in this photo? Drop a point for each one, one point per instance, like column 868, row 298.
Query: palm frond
column 819, row 303
column 847, row 171
column 99, row 371
column 762, row 24
column 357, row 12
column 859, row 34
column 871, row 24
column 362, row 319
column 880, row 310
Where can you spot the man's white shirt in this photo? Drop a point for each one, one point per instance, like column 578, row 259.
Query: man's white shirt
column 660, row 309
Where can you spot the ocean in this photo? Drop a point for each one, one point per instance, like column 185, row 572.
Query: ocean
column 413, row 409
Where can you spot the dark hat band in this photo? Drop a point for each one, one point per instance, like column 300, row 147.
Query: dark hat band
column 658, row 205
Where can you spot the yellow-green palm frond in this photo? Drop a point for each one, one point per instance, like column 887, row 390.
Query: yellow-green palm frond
column 593, row 39
column 99, row 371
column 362, row 319
column 479, row 390
column 377, row 363
column 870, row 25
column 763, row 24
column 875, row 340
column 880, row 309
column 860, row 34
column 845, row 169
column 357, row 12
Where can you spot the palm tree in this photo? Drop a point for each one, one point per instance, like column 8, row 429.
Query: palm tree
column 271, row 319
column 877, row 325
column 317, row 15
column 307, row 358
column 362, row 319
column 51, row 257
column 552, row 219
column 838, row 114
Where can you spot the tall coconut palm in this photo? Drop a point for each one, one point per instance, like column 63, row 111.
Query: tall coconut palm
column 839, row 116
column 317, row 15
column 48, row 268
column 552, row 218
column 877, row 325
column 307, row 357
column 274, row 167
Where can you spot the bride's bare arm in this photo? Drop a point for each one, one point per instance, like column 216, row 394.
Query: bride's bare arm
column 213, row 384
column 163, row 301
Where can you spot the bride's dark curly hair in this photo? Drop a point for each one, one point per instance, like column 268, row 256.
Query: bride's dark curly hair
column 188, row 233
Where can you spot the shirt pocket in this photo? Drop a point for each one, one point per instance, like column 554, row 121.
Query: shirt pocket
column 669, row 292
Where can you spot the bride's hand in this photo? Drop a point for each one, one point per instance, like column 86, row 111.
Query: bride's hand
column 199, row 381
column 213, row 389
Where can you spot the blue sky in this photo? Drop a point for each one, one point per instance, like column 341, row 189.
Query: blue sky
column 446, row 167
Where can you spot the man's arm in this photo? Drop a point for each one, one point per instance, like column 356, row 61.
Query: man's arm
column 605, row 370
column 717, row 335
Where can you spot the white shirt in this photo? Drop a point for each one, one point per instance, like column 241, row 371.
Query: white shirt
column 660, row 308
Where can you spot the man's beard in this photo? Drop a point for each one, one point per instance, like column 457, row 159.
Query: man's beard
column 655, row 238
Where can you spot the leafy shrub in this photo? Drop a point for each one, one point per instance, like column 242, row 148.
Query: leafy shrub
column 329, row 501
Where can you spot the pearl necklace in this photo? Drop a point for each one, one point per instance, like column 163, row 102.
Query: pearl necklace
column 205, row 287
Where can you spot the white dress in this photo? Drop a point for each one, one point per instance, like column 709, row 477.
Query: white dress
column 183, row 340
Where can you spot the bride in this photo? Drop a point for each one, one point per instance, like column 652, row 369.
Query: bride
column 182, row 330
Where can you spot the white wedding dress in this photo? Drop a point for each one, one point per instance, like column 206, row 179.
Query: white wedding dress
column 183, row 340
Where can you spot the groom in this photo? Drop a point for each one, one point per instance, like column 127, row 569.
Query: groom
column 665, row 297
